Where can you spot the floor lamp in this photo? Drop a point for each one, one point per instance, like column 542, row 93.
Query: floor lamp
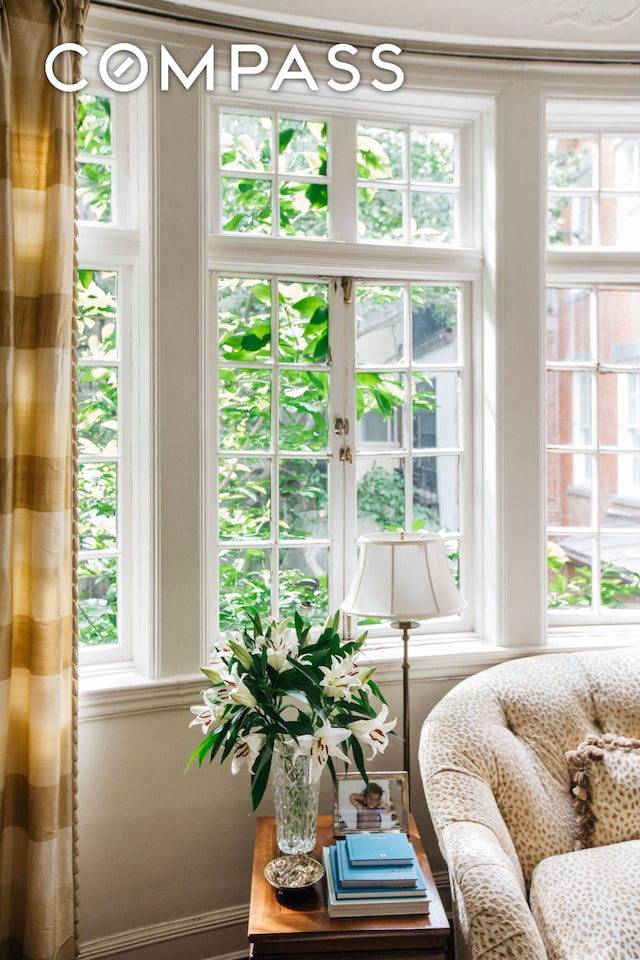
column 403, row 577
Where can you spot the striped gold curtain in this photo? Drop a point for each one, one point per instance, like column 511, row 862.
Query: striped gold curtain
column 37, row 635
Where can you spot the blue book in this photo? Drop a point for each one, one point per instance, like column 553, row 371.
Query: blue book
column 379, row 849
column 373, row 894
column 355, row 877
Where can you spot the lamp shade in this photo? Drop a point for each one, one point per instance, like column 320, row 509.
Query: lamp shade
column 403, row 576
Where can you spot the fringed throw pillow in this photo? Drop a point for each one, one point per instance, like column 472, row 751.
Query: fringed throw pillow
column 605, row 776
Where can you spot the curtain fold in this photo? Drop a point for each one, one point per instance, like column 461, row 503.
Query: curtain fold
column 38, row 642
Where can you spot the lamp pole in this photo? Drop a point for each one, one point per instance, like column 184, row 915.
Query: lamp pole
column 405, row 626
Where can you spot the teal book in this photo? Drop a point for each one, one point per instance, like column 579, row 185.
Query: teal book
column 393, row 876
column 372, row 892
column 368, row 906
column 379, row 849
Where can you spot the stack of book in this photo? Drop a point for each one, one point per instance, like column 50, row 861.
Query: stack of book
column 374, row 874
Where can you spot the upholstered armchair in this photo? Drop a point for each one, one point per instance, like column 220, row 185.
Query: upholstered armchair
column 508, row 810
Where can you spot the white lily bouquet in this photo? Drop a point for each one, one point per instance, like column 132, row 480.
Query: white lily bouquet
column 278, row 684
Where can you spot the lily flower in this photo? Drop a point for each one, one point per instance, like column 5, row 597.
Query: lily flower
column 282, row 642
column 203, row 716
column 246, row 750
column 209, row 713
column 321, row 745
column 373, row 732
column 341, row 678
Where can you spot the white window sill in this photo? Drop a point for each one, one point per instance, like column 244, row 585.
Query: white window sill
column 108, row 690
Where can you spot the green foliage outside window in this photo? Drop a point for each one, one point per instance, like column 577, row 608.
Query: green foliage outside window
column 93, row 143
column 97, row 378
column 570, row 585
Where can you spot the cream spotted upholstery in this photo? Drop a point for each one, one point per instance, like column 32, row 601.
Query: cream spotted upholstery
column 604, row 924
column 498, row 786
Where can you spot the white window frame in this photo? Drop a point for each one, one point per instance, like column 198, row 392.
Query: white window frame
column 230, row 254
column 591, row 268
column 629, row 436
column 122, row 246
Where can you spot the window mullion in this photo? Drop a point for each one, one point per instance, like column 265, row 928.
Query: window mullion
column 342, row 482
column 343, row 197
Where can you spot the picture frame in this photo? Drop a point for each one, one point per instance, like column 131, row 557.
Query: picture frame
column 389, row 815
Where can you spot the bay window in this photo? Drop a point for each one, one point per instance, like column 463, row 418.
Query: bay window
column 346, row 314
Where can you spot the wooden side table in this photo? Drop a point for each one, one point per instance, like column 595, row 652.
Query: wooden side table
column 298, row 926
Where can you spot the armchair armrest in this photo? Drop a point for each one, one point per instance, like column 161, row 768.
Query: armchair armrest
column 489, row 895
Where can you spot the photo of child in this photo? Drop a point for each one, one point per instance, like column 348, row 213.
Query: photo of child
column 378, row 804
column 369, row 807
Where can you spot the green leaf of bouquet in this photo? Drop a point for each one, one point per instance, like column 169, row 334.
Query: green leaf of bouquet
column 376, row 691
column 260, row 778
column 233, row 731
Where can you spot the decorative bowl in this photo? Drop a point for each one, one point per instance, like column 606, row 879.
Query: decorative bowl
column 295, row 871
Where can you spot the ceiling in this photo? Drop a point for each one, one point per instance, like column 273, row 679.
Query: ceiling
column 576, row 25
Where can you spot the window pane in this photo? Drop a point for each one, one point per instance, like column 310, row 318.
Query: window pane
column 303, row 582
column 304, row 499
column 244, row 581
column 381, row 153
column 246, row 205
column 569, row 324
column 620, row 221
column 436, row 492
column 570, row 220
column 244, row 498
column 380, row 332
column 435, row 407
column 610, row 390
column 569, row 495
column 97, row 314
column 304, row 209
column 97, row 507
column 93, row 139
column 245, row 142
column 629, row 475
column 569, row 572
column 572, row 162
column 98, row 409
column 433, row 217
column 569, row 408
column 303, row 146
column 244, row 319
column 381, row 494
column 94, row 191
column 304, row 410
column 433, row 156
column 97, row 601
column 619, row 325
column 93, row 129
column 245, row 409
column 379, row 404
column 380, row 214
column 620, row 162
column 435, row 324
column 620, row 574
column 303, row 322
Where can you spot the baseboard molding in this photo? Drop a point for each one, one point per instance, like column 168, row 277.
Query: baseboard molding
column 143, row 937
column 139, row 941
